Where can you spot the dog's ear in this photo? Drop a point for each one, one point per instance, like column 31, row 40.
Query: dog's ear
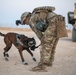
column 34, row 40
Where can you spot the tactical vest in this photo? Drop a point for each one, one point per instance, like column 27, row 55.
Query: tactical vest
column 42, row 13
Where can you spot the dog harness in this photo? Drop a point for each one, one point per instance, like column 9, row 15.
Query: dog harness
column 18, row 40
column 31, row 44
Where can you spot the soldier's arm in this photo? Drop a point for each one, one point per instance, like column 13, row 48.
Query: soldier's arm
column 32, row 25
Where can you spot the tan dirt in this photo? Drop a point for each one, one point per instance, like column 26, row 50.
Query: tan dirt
column 64, row 63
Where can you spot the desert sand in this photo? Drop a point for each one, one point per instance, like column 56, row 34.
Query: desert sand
column 64, row 63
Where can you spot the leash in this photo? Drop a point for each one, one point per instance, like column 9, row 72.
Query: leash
column 37, row 46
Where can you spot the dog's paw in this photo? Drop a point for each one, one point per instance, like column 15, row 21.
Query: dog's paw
column 7, row 55
column 25, row 63
column 34, row 59
column 6, row 59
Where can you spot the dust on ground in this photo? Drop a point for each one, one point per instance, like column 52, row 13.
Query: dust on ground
column 64, row 63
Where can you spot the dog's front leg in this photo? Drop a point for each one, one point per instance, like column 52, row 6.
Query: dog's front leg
column 31, row 55
column 22, row 58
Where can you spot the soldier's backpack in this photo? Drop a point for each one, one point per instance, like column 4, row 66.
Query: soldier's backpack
column 61, row 27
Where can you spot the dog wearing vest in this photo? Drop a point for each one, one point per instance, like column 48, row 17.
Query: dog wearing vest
column 21, row 42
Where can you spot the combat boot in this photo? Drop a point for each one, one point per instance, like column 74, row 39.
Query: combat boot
column 41, row 68
column 48, row 64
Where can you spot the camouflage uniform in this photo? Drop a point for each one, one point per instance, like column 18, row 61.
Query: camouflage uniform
column 49, row 42
column 48, row 38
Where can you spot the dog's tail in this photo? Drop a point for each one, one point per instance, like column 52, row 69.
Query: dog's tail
column 1, row 34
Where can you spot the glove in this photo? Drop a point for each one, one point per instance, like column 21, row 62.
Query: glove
column 18, row 22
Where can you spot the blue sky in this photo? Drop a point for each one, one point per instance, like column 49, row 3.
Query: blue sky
column 11, row 10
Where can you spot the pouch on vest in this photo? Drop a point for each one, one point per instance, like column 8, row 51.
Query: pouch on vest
column 41, row 25
column 42, row 16
column 61, row 28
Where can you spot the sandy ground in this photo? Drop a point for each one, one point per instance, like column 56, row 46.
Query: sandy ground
column 64, row 63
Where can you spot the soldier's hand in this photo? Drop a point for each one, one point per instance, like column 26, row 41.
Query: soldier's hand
column 18, row 22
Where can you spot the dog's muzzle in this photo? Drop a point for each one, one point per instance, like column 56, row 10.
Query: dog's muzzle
column 32, row 48
column 32, row 45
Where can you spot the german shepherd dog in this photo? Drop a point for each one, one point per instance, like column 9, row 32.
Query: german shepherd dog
column 21, row 42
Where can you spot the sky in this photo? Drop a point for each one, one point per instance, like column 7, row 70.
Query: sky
column 11, row 10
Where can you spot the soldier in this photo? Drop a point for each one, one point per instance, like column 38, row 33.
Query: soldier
column 49, row 27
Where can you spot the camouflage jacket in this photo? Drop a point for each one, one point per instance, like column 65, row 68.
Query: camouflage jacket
column 46, row 12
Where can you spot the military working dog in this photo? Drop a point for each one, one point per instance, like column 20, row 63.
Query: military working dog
column 21, row 42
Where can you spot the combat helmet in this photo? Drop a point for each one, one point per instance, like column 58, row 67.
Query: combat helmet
column 23, row 16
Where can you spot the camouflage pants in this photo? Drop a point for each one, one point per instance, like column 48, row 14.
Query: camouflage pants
column 49, row 42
